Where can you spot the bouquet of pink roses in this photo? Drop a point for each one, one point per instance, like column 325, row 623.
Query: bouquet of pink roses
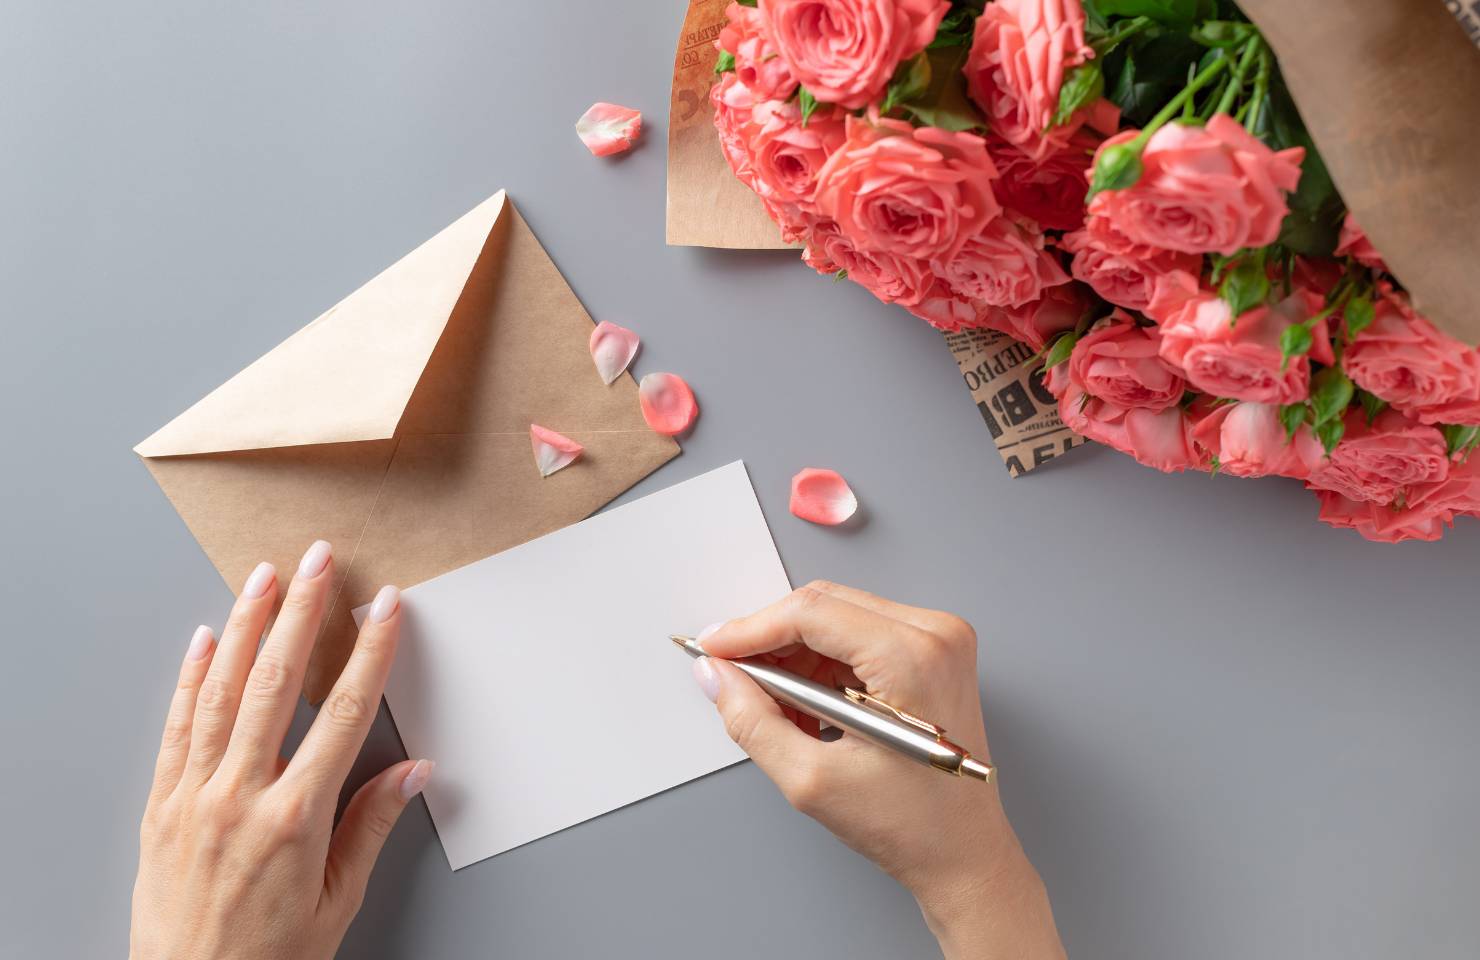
column 1126, row 186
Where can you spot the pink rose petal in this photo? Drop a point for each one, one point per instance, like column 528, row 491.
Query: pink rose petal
column 612, row 349
column 822, row 496
column 552, row 451
column 667, row 403
column 606, row 128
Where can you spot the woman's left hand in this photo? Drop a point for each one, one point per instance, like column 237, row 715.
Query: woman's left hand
column 239, row 854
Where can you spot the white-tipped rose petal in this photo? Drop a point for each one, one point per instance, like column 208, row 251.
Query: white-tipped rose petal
column 667, row 403
column 607, row 128
column 822, row 496
column 552, row 451
column 612, row 349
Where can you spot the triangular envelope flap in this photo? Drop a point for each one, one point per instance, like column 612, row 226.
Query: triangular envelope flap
column 348, row 375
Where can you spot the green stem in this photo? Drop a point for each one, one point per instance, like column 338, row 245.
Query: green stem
column 1123, row 31
column 1175, row 104
column 1236, row 87
column 1261, row 88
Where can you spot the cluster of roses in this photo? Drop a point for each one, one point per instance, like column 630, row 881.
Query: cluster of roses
column 1148, row 264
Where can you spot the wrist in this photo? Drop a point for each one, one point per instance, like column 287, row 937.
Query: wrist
column 1001, row 911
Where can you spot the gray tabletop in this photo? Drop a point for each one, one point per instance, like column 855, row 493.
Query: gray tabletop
column 1225, row 731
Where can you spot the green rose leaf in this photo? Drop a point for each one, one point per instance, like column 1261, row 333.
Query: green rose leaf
column 1180, row 13
column 1295, row 341
column 942, row 117
column 1222, row 33
column 1359, row 313
column 1330, row 433
column 1331, row 392
column 807, row 103
column 1292, row 415
column 1372, row 404
column 725, row 63
column 1083, row 86
column 1059, row 350
column 910, row 81
column 1460, row 439
column 1246, row 286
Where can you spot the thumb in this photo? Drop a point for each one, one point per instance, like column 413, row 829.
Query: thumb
column 755, row 722
column 367, row 822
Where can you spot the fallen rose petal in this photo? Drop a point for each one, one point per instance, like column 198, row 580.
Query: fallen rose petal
column 552, row 451
column 822, row 496
column 668, row 404
column 607, row 128
column 612, row 349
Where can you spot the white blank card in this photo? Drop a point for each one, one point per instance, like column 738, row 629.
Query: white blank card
column 542, row 682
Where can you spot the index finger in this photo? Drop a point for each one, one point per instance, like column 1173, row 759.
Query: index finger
column 334, row 740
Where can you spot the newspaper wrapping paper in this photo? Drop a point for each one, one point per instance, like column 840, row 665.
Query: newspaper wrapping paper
column 1007, row 384
column 1387, row 89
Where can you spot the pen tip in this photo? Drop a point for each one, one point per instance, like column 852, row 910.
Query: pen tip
column 977, row 770
column 682, row 641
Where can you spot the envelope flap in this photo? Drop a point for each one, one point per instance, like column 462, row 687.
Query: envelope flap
column 349, row 374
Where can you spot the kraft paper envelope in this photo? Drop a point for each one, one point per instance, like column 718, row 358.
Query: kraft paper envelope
column 396, row 426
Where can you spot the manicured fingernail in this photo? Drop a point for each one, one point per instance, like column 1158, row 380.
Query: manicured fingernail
column 261, row 578
column 709, row 631
column 385, row 604
column 200, row 643
column 416, row 779
column 707, row 677
column 315, row 559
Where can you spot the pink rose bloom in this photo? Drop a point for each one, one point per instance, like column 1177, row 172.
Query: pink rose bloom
column 1120, row 362
column 1458, row 492
column 1123, row 272
column 1249, row 441
column 1239, row 360
column 1383, row 523
column 1378, row 462
column 758, row 63
column 1059, row 309
column 916, row 192
column 846, row 51
column 733, row 105
column 1003, row 266
column 1402, row 358
column 1211, row 189
column 892, row 279
column 785, row 157
column 1050, row 191
column 1019, row 55
column 1160, row 439
column 948, row 311
column 1352, row 242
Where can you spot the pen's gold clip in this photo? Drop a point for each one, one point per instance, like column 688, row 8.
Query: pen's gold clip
column 865, row 699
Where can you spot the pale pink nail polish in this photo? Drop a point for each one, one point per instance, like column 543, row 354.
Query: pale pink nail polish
column 257, row 584
column 385, row 604
column 200, row 643
column 315, row 559
column 416, row 779
column 709, row 631
column 707, row 677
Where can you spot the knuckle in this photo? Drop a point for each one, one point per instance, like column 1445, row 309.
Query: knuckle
column 347, row 707
column 820, row 586
column 270, row 678
column 379, row 821
column 176, row 731
column 292, row 816
column 805, row 791
column 956, row 632
column 214, row 699
column 806, row 598
column 298, row 605
column 241, row 622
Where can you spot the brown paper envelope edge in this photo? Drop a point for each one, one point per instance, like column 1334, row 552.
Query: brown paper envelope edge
column 707, row 205
column 1388, row 91
column 368, row 463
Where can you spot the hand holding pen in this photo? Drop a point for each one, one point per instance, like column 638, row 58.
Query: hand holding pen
column 945, row 838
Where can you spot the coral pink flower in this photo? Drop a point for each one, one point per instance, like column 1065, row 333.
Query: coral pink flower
column 1004, row 265
column 552, row 451
column 1120, row 362
column 606, row 128
column 1160, row 439
column 1211, row 189
column 1051, row 190
column 1059, row 309
column 1019, row 55
column 1239, row 360
column 917, row 192
column 1402, row 358
column 846, row 51
column 1250, row 441
column 758, row 63
column 1379, row 461
column 902, row 280
column 733, row 105
column 785, row 157
column 1354, row 243
column 1123, row 272
column 822, row 496
column 948, row 311
column 667, row 403
column 1383, row 523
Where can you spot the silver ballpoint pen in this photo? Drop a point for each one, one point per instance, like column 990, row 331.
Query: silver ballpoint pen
column 858, row 713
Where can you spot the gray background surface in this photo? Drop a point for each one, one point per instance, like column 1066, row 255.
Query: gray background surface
column 1225, row 731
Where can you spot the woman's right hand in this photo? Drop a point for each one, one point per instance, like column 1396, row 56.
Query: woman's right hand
column 946, row 839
